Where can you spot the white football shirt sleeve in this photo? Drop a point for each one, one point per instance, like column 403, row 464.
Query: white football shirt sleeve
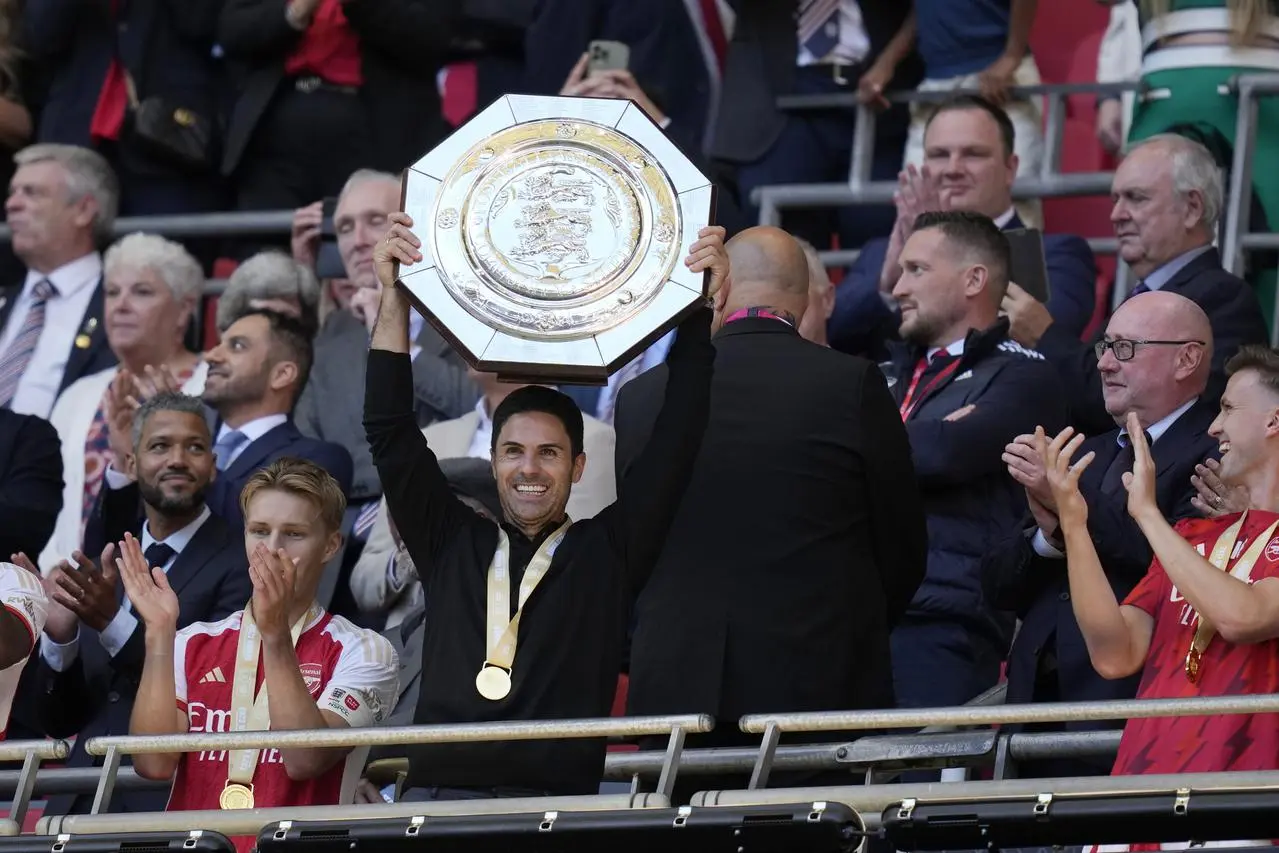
column 22, row 594
column 180, row 663
column 365, row 682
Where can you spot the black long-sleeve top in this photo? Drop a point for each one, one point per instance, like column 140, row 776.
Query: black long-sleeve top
column 569, row 648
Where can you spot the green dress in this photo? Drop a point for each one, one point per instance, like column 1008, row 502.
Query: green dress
column 1200, row 96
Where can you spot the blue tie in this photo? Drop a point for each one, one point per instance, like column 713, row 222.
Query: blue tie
column 227, row 446
column 1139, row 289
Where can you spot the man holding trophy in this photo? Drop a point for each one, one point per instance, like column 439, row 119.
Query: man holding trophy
column 526, row 619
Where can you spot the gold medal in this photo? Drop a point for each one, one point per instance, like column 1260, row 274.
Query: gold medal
column 236, row 796
column 1193, row 659
column 493, row 682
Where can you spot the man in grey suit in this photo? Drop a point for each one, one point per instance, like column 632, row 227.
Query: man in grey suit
column 332, row 406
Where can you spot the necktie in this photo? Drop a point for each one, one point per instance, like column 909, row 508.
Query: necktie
column 159, row 554
column 227, row 446
column 714, row 27
column 1112, row 482
column 819, row 26
column 18, row 355
column 364, row 521
column 1139, row 289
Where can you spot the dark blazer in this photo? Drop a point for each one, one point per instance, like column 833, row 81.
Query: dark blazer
column 761, row 68
column 118, row 510
column 166, row 45
column 1037, row 587
column 861, row 319
column 403, row 44
column 81, row 361
column 94, row 696
column 30, row 483
column 802, row 530
column 1232, row 309
column 664, row 53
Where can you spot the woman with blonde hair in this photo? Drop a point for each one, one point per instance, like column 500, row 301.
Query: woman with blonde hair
column 152, row 286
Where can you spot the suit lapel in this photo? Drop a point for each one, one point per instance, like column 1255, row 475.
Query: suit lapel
column 1170, row 449
column 204, row 545
column 89, row 340
column 1209, row 260
column 8, row 298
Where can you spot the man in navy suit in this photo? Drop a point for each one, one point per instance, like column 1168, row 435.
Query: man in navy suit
column 1164, row 383
column 92, row 649
column 61, row 206
column 971, row 166
column 256, row 375
column 30, row 482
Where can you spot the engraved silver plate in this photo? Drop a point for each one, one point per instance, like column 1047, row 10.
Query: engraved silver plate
column 554, row 231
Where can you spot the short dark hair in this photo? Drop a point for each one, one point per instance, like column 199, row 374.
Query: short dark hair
column 978, row 236
column 539, row 398
column 293, row 338
column 165, row 401
column 976, row 102
column 1263, row 359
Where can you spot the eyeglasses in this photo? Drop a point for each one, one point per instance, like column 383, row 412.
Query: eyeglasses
column 1124, row 350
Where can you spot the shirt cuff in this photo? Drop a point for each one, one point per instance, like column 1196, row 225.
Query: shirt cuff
column 59, row 656
column 1044, row 548
column 116, row 480
column 117, row 633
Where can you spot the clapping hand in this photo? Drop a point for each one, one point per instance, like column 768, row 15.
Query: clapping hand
column 119, row 408
column 60, row 623
column 1140, row 482
column 273, row 574
column 89, row 592
column 1063, row 475
column 1214, row 497
column 147, row 587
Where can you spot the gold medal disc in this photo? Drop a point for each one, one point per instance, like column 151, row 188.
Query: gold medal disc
column 1193, row 660
column 236, row 796
column 493, row 682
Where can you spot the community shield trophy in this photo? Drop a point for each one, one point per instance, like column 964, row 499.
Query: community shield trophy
column 553, row 237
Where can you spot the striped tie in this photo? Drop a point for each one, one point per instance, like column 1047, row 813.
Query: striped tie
column 819, row 27
column 18, row 356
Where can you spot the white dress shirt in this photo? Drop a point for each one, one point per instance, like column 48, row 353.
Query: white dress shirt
column 650, row 358
column 1040, row 543
column 63, row 322
column 482, row 442
column 854, row 42
column 59, row 656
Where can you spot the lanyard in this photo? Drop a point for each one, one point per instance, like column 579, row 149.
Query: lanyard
column 249, row 713
column 1242, row 570
column 909, row 402
column 503, row 629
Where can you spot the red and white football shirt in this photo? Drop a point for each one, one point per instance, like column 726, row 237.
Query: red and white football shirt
column 349, row 671
column 22, row 594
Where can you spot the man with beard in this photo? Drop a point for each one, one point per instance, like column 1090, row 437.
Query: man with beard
column 93, row 646
column 255, row 376
column 964, row 390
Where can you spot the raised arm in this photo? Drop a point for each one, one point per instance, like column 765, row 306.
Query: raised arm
column 418, row 496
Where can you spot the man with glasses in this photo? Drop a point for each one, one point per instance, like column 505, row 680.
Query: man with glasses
column 1154, row 360
column 1167, row 196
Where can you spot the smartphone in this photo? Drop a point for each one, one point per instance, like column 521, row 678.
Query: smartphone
column 1029, row 270
column 328, row 231
column 607, row 56
column 328, row 262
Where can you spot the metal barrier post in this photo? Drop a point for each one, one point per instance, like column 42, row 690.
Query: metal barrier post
column 26, row 783
column 764, row 763
column 106, row 782
column 1054, row 133
column 1240, row 193
column 670, row 764
column 863, row 147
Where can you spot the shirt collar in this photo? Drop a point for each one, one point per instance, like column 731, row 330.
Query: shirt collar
column 178, row 539
column 1001, row 221
column 255, row 428
column 71, row 278
column 1164, row 274
column 1159, row 427
column 482, row 409
column 955, row 349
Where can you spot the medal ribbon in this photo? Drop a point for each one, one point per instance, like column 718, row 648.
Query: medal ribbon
column 503, row 629
column 1242, row 570
column 247, row 712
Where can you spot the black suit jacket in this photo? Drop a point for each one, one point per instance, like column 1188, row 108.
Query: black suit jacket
column 1232, row 309
column 118, row 510
column 798, row 544
column 761, row 68
column 81, row 361
column 94, row 696
column 30, row 483
column 403, row 44
column 1037, row 587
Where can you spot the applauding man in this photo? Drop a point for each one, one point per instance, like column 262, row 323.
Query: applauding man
column 1205, row 619
column 281, row 663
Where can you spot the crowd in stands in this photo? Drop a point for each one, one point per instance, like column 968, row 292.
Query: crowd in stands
column 897, row 484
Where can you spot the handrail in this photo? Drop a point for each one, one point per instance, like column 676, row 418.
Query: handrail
column 45, row 750
column 398, row 735
column 841, row 100
column 1046, row 712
